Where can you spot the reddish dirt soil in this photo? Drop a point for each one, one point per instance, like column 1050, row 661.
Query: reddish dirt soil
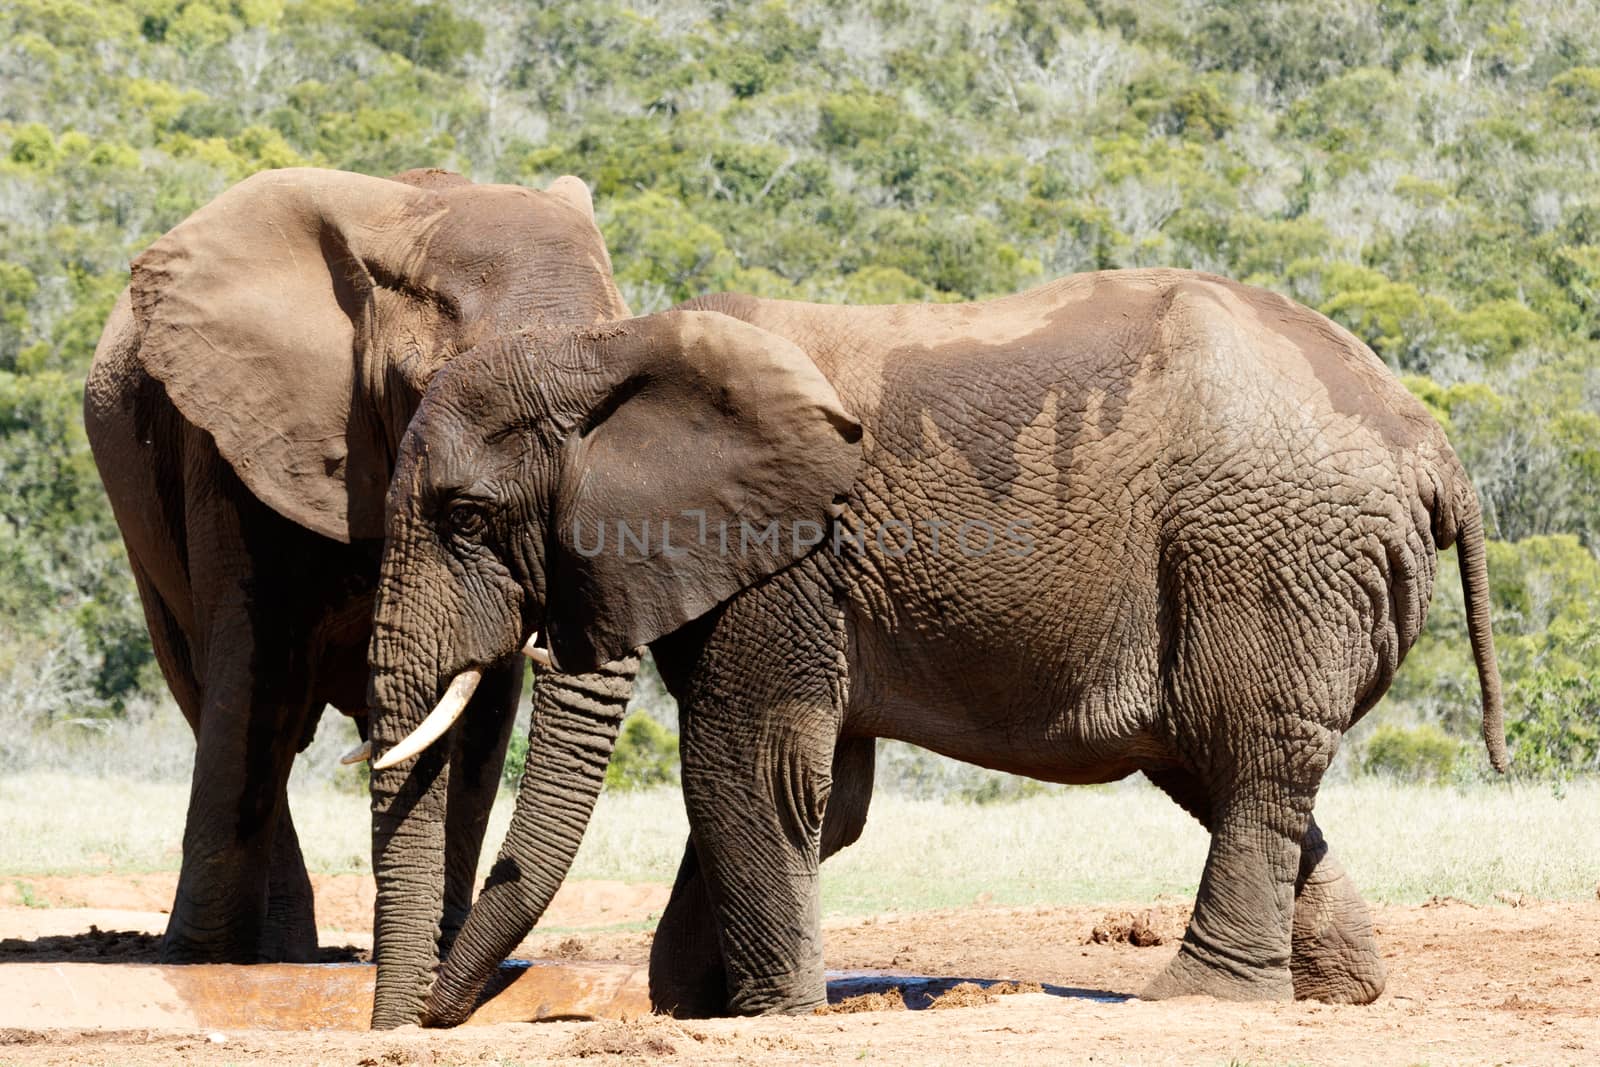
column 1470, row 985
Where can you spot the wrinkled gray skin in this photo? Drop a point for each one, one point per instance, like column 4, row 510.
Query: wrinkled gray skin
column 244, row 407
column 1232, row 513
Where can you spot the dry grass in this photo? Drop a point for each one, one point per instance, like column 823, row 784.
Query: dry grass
column 1119, row 843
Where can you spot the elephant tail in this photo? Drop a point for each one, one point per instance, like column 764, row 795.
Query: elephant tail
column 1463, row 525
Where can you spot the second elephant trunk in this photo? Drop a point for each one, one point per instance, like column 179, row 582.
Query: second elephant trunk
column 570, row 740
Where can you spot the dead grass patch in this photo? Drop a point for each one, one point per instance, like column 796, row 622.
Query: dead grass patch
column 888, row 1000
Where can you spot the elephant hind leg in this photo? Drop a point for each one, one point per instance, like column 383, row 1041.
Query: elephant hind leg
column 1334, row 955
column 1237, row 946
column 845, row 816
column 687, row 977
column 170, row 644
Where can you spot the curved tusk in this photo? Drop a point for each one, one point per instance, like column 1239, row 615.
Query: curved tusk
column 360, row 754
column 440, row 719
column 539, row 656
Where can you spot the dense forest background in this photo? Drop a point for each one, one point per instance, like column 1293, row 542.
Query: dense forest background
column 1423, row 171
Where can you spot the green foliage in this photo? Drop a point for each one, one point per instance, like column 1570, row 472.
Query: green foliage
column 516, row 760
column 64, row 587
column 1422, row 172
column 1416, row 754
column 646, row 755
column 427, row 34
column 1556, row 733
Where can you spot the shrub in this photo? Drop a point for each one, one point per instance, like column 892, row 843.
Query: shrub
column 646, row 755
column 1415, row 754
column 1556, row 731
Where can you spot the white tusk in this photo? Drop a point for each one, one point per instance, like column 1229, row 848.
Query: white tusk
column 360, row 754
column 540, row 657
column 440, row 719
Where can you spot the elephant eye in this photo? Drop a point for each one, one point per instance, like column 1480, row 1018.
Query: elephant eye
column 466, row 519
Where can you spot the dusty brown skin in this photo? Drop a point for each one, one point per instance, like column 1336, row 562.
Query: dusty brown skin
column 1214, row 520
column 245, row 405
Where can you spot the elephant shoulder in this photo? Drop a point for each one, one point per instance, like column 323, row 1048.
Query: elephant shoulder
column 115, row 371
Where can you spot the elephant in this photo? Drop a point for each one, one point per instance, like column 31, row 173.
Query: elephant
column 244, row 407
column 1148, row 520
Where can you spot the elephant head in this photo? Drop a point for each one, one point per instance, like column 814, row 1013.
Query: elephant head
column 602, row 487
column 298, row 317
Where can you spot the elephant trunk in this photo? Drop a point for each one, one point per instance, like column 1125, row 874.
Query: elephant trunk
column 570, row 740
column 408, row 846
column 409, row 800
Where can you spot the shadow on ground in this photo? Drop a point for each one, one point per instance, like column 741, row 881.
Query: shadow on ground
column 124, row 946
column 920, row 992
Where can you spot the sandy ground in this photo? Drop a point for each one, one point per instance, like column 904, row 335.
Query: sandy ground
column 1513, row 983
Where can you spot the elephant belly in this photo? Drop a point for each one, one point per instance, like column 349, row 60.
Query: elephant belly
column 1021, row 707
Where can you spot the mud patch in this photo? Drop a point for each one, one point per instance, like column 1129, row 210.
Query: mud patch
column 965, row 995
column 888, row 1000
column 93, row 946
column 14, row 1036
column 1139, row 929
column 1008, row 989
column 568, row 948
column 125, row 946
column 399, row 1056
column 1528, row 975
column 1519, row 1003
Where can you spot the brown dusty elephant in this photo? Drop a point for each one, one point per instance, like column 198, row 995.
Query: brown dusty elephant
column 1131, row 521
column 245, row 405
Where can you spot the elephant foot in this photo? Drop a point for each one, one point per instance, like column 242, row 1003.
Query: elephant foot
column 293, row 945
column 1335, row 957
column 183, row 944
column 702, row 995
column 781, row 1000
column 1199, row 971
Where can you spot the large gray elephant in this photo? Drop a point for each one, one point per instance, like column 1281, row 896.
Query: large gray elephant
column 245, row 406
column 1131, row 521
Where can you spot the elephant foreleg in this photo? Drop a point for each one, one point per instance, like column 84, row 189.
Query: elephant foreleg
column 290, row 931
column 237, row 806
column 762, row 704
column 687, row 978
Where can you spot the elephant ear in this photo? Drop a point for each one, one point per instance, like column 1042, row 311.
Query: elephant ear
column 723, row 451
column 254, row 313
